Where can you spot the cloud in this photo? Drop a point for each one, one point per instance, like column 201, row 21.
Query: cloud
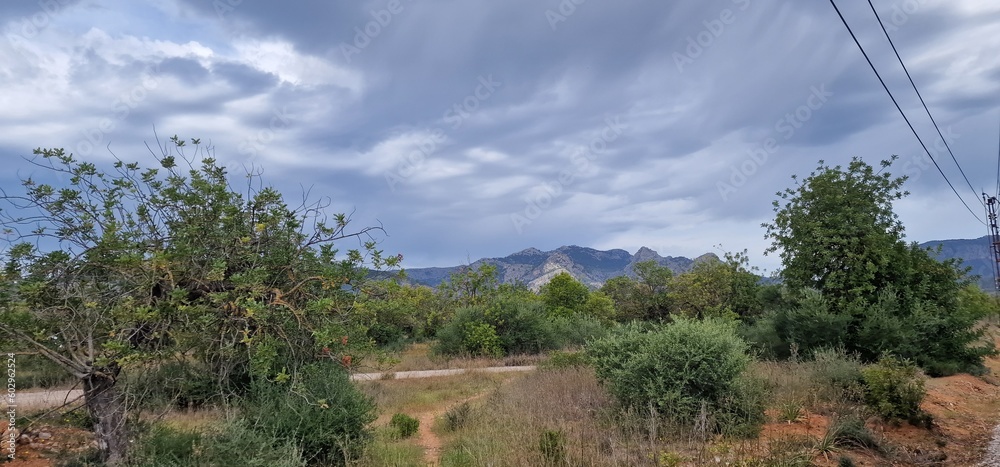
column 403, row 131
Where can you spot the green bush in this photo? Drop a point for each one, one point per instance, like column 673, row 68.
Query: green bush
column 894, row 389
column 481, row 339
column 319, row 409
column 232, row 443
column 678, row 368
column 405, row 425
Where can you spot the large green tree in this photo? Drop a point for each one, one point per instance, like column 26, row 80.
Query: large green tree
column 837, row 234
column 564, row 295
column 109, row 272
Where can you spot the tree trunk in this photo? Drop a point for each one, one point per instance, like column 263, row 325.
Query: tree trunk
column 107, row 407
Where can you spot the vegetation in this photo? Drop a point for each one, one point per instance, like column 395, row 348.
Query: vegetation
column 682, row 371
column 165, row 288
column 116, row 272
column 853, row 282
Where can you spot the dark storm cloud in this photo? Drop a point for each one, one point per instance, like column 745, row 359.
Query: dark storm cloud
column 383, row 106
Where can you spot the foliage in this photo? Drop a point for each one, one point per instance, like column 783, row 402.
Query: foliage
column 482, row 339
column 319, row 409
column 512, row 324
column 677, row 369
column 232, row 443
column 110, row 272
column 644, row 297
column 837, row 232
column 457, row 416
column 469, row 287
column 872, row 293
column 564, row 295
column 715, row 289
column 552, row 443
column 405, row 425
column 894, row 389
column 599, row 306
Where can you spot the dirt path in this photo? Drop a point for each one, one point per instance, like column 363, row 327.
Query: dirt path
column 430, row 441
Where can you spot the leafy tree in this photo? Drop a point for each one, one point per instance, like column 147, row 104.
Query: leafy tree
column 629, row 301
column 468, row 286
column 599, row 305
column 644, row 297
column 113, row 272
column 837, row 233
column 715, row 288
column 563, row 295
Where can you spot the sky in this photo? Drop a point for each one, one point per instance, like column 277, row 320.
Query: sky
column 474, row 128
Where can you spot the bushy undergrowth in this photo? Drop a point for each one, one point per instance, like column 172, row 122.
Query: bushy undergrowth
column 894, row 389
column 232, row 443
column 319, row 410
column 405, row 425
column 681, row 370
column 512, row 325
column 940, row 340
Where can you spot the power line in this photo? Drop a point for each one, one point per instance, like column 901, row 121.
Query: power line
column 900, row 109
column 922, row 102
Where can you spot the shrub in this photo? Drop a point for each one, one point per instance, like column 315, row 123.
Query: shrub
column 850, row 432
column 482, row 339
column 894, row 389
column 457, row 416
column 232, row 443
column 319, row 409
column 837, row 375
column 678, row 368
column 509, row 325
column 405, row 425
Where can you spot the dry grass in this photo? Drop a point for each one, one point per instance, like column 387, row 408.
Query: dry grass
column 420, row 357
column 426, row 394
column 570, row 409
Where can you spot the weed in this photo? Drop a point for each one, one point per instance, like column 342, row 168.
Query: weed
column 405, row 425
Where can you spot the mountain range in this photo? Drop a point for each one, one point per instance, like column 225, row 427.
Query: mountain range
column 535, row 267
column 974, row 253
column 593, row 267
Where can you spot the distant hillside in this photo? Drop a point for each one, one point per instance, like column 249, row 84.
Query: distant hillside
column 534, row 267
column 974, row 253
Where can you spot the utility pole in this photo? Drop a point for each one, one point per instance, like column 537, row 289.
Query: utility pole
column 994, row 237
